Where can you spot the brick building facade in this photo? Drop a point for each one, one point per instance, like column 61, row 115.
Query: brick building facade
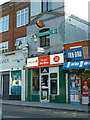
column 13, row 31
column 14, row 16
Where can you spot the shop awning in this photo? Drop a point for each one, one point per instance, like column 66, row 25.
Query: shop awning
column 76, row 65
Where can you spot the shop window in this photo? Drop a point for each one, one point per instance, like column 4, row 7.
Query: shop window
column 45, row 40
column 35, row 81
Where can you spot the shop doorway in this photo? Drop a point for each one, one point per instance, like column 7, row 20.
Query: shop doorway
column 5, row 80
column 44, row 87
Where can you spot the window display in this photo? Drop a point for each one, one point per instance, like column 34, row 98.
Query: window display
column 74, row 88
column 35, row 81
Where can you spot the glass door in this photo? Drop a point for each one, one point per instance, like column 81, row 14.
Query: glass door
column 44, row 87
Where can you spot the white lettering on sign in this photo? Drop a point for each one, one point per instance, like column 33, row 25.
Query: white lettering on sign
column 68, row 64
column 86, row 63
column 81, row 63
column 74, row 64
column 75, row 54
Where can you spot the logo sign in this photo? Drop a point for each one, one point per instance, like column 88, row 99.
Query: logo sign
column 75, row 54
column 41, row 50
column 57, row 59
column 32, row 62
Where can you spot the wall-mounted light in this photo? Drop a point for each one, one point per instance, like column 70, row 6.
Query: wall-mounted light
column 40, row 24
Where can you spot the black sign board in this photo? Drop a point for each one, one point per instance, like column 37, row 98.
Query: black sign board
column 53, row 75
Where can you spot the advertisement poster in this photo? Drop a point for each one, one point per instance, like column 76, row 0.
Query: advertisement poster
column 15, row 83
column 74, row 95
column 85, row 89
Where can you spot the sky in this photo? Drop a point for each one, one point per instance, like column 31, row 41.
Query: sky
column 75, row 7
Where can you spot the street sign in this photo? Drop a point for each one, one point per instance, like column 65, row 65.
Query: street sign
column 46, row 33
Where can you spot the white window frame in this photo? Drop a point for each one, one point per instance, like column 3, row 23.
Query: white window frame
column 3, row 47
column 4, row 23
column 24, row 19
column 21, row 42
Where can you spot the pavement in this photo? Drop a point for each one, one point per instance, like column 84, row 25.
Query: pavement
column 47, row 105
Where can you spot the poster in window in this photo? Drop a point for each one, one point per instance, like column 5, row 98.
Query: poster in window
column 16, row 83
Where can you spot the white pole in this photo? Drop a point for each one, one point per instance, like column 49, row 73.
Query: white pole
column 23, row 86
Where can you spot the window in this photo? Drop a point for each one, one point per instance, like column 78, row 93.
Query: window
column 44, row 40
column 3, row 47
column 35, row 81
column 22, row 17
column 4, row 23
column 21, row 42
column 46, row 5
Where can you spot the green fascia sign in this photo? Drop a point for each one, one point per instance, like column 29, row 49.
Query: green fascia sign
column 46, row 33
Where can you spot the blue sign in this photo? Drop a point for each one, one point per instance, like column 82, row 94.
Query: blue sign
column 75, row 54
column 76, row 65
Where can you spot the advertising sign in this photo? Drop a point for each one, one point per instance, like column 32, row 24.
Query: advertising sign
column 74, row 95
column 78, row 53
column 56, row 59
column 85, row 89
column 44, row 61
column 76, row 65
column 74, row 54
column 32, row 62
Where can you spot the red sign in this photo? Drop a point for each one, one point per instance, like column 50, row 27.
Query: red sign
column 44, row 61
column 56, row 59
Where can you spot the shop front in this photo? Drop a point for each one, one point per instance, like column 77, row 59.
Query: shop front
column 78, row 81
column 46, row 81
column 12, row 75
column 77, row 68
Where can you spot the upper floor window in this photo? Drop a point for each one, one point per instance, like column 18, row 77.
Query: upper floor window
column 3, row 47
column 46, row 5
column 4, row 23
column 20, row 42
column 44, row 40
column 22, row 17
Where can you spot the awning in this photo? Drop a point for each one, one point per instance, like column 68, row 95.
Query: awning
column 76, row 65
